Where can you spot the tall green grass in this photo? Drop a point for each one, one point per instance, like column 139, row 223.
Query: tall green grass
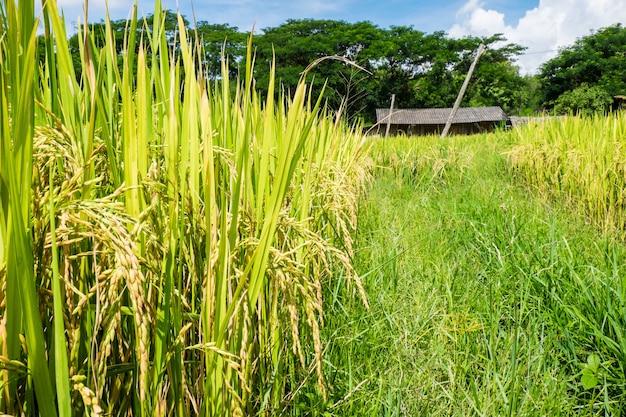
column 578, row 162
column 486, row 298
column 165, row 239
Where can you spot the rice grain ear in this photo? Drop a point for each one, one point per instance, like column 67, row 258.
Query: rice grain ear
column 179, row 273
column 579, row 159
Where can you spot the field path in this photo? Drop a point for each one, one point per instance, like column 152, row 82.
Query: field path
column 486, row 299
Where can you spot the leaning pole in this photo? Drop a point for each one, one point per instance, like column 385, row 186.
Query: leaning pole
column 459, row 98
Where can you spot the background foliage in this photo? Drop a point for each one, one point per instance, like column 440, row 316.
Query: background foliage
column 421, row 69
column 589, row 73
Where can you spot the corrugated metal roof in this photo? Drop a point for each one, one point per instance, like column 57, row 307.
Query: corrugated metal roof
column 518, row 121
column 440, row 116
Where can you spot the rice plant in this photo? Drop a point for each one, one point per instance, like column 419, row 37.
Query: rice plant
column 579, row 160
column 164, row 238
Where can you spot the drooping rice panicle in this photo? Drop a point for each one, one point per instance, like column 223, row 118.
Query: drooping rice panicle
column 178, row 231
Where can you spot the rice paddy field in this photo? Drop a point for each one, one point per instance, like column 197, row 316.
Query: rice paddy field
column 495, row 285
column 175, row 245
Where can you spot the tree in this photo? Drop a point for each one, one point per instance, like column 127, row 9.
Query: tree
column 296, row 44
column 496, row 81
column 444, row 63
column 220, row 41
column 409, row 54
column 585, row 100
column 529, row 103
column 597, row 60
column 421, row 70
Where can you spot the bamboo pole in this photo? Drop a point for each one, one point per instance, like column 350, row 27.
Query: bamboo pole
column 459, row 98
column 393, row 99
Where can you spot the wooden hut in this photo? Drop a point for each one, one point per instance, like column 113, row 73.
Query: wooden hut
column 467, row 121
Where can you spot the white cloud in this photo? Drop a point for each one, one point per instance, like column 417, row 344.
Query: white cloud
column 544, row 29
column 469, row 7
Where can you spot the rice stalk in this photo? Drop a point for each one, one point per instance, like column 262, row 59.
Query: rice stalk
column 185, row 227
column 579, row 159
column 21, row 312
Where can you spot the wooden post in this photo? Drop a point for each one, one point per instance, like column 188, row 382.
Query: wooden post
column 393, row 99
column 459, row 98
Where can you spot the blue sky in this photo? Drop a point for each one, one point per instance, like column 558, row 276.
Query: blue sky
column 427, row 16
column 540, row 25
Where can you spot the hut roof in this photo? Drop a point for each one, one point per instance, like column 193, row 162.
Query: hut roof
column 440, row 116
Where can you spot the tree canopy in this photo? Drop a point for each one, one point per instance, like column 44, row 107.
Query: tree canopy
column 586, row 76
column 420, row 69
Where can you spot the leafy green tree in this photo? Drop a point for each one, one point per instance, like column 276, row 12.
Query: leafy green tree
column 444, row 64
column 411, row 55
column 496, row 81
column 297, row 44
column 217, row 41
column 421, row 70
column 443, row 69
column 211, row 39
column 598, row 60
column 529, row 102
column 120, row 33
column 586, row 100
